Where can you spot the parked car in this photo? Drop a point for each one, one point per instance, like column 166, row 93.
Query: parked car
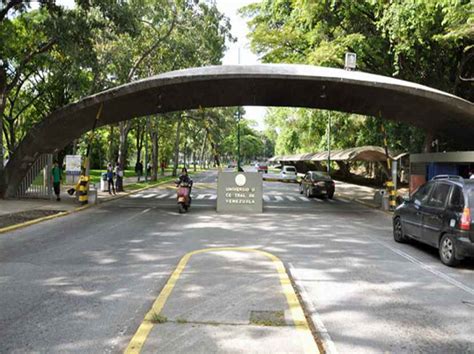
column 288, row 173
column 262, row 167
column 439, row 214
column 317, row 183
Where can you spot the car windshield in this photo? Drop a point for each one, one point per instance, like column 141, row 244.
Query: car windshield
column 290, row 169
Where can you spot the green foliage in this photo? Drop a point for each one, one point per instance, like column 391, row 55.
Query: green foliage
column 429, row 42
column 54, row 56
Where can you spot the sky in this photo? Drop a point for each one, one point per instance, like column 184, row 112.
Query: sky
column 239, row 31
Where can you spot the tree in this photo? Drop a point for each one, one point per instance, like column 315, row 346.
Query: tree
column 431, row 43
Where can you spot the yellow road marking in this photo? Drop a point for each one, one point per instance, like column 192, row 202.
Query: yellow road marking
column 309, row 345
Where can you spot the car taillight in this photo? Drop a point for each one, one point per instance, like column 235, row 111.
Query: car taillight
column 465, row 219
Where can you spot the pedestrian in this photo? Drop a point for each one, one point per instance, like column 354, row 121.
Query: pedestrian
column 148, row 168
column 56, row 178
column 110, row 178
column 119, row 176
column 139, row 169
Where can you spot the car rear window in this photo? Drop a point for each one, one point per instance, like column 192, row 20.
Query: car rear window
column 290, row 169
column 319, row 175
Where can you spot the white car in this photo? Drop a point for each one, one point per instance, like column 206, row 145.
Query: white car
column 288, row 173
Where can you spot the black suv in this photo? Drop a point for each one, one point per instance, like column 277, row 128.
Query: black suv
column 439, row 214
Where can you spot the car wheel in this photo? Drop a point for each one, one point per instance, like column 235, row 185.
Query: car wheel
column 398, row 234
column 447, row 251
column 331, row 195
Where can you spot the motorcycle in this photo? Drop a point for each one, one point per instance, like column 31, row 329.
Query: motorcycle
column 184, row 197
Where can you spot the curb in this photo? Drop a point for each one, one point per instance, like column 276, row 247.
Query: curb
column 75, row 210
column 366, row 204
column 318, row 329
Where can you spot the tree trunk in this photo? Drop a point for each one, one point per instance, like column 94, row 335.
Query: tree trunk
column 429, row 137
column 122, row 157
column 203, row 150
column 217, row 163
column 154, row 156
column 185, row 152
column 3, row 99
column 139, row 140
column 176, row 148
column 194, row 161
column 111, row 145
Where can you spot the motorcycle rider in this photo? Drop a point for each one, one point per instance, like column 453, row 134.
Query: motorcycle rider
column 185, row 179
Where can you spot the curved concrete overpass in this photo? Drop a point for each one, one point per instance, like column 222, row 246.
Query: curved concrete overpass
column 261, row 85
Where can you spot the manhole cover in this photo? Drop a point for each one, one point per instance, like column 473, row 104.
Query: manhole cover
column 268, row 318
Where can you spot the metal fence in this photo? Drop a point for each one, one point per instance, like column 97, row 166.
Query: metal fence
column 37, row 182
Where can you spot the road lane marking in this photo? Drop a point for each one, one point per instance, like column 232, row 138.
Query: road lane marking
column 304, row 199
column 309, row 345
column 162, row 196
column 430, row 269
column 266, row 198
column 151, row 195
column 323, row 334
column 278, row 198
column 291, row 198
column 138, row 195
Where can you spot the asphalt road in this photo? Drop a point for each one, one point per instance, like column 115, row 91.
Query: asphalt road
column 83, row 283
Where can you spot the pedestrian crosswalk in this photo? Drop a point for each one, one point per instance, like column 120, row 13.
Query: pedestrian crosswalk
column 268, row 198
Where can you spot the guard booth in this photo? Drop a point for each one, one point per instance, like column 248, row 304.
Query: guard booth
column 424, row 167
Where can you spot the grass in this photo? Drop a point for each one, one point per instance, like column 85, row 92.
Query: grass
column 181, row 321
column 268, row 318
column 157, row 318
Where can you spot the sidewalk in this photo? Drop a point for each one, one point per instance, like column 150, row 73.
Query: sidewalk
column 361, row 194
column 18, row 211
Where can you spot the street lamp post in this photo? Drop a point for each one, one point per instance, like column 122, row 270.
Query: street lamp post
column 329, row 144
column 238, row 139
column 147, row 127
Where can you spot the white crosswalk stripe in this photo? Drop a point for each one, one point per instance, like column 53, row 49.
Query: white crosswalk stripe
column 138, row 195
column 268, row 198
column 304, row 199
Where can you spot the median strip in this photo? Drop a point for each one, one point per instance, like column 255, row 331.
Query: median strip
column 295, row 309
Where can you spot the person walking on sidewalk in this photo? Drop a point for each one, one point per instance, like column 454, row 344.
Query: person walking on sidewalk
column 56, row 177
column 139, row 170
column 110, row 177
column 119, row 180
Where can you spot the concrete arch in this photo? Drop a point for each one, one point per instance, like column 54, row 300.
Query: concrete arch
column 234, row 85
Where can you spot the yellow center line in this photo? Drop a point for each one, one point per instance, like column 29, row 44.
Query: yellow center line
column 297, row 314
